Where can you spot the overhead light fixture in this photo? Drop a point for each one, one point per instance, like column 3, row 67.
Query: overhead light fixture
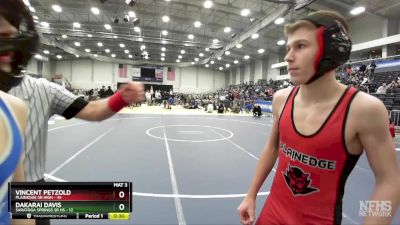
column 26, row 2
column 163, row 42
column 32, row 9
column 207, row 65
column 126, row 51
column 358, row 10
column 236, row 61
column 201, row 54
column 38, row 56
column 215, row 41
column 142, row 47
column 227, row 65
column 192, row 63
column 95, row 10
column 45, row 24
column 130, row 56
column 281, row 42
column 113, row 55
column 165, row 19
column 183, row 51
column 162, row 54
column 196, row 59
column 227, row 29
column 164, row 32
column 280, row 20
column 77, row 44
column 178, row 60
column 89, row 35
column 208, row 4
column 35, row 17
column 59, row 57
column 261, row 51
column 207, row 49
column 77, row 56
column 197, row 24
column 122, row 45
column 163, row 49
column 255, row 36
column 221, row 68
column 132, row 14
column 100, row 44
column 162, row 58
column 46, row 52
column 227, row 53
column 212, row 62
column 146, row 57
column 107, row 26
column 115, row 36
column 107, row 50
column 191, row 36
column 136, row 29
column 140, row 39
column 131, row 3
column 95, row 55
column 87, row 50
column 57, row 8
column 245, row 12
column 64, row 36
column 76, row 25
column 179, row 56
column 246, row 57
column 219, row 58
column 239, row 45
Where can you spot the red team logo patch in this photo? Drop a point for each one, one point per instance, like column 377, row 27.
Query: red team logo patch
column 298, row 181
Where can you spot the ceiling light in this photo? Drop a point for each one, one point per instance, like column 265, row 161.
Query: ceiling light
column 95, row 10
column 130, row 56
column 100, row 44
column 197, row 24
column 64, row 36
column 236, row 61
column 227, row 29
column 107, row 26
column 163, row 54
column 219, row 58
column 163, row 49
column 192, row 63
column 163, row 41
column 45, row 24
column 196, row 59
column 46, row 52
column 201, row 54
column 35, row 17
column 122, row 45
column 246, row 57
column 76, row 25
column 113, row 55
column 145, row 53
column 146, row 57
column 107, row 50
column 208, row 4
column 142, row 47
column 165, row 19
column 227, row 53
column 207, row 65
column 164, row 32
column 227, row 65
column 38, row 56
column 239, row 45
column 32, row 9
column 136, row 29
column 126, row 51
column 26, row 2
column 77, row 56
column 186, row 44
column 261, row 51
column 245, row 12
column 178, row 60
column 115, row 36
column 140, row 39
column 179, row 56
column 280, row 20
column 221, row 68
column 89, row 35
column 255, row 36
column 59, row 57
column 212, row 62
column 358, row 10
column 190, row 36
column 207, row 49
column 87, row 50
column 95, row 55
column 162, row 58
column 215, row 41
column 77, row 44
column 57, row 8
column 183, row 51
column 281, row 42
column 132, row 14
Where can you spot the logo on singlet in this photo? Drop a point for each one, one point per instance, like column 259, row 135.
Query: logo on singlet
column 298, row 181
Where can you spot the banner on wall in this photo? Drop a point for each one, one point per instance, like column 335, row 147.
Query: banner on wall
column 171, row 74
column 122, row 70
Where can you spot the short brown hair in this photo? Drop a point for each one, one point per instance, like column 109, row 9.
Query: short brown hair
column 292, row 27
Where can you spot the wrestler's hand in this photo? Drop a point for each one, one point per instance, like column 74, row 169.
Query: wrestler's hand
column 246, row 211
column 132, row 92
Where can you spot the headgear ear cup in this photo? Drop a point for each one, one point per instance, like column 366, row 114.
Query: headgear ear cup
column 334, row 45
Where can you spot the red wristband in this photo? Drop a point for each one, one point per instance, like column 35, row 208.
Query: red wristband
column 116, row 102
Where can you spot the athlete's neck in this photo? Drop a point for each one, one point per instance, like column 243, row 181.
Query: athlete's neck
column 322, row 89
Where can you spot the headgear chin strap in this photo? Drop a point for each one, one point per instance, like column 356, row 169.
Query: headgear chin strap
column 333, row 42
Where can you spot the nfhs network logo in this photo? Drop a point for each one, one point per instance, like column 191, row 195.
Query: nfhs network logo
column 375, row 208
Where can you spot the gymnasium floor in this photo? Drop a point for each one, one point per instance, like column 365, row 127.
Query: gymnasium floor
column 185, row 169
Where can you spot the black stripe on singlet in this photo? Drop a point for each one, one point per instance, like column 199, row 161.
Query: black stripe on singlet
column 349, row 165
